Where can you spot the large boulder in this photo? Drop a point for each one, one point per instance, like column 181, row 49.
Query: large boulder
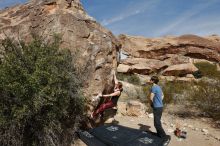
column 131, row 108
column 141, row 66
column 174, row 59
column 180, row 70
column 95, row 47
column 135, row 108
column 122, row 68
column 151, row 63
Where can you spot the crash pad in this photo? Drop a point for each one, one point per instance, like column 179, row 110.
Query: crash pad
column 117, row 135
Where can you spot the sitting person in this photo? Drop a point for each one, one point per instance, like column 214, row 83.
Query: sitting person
column 110, row 99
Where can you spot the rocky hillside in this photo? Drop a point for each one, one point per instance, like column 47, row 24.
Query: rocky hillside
column 94, row 46
column 168, row 56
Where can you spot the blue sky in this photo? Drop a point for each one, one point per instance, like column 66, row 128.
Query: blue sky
column 153, row 18
column 6, row 3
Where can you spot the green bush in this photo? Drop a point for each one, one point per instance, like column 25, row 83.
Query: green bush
column 203, row 95
column 39, row 89
column 130, row 78
column 206, row 96
column 174, row 91
column 208, row 70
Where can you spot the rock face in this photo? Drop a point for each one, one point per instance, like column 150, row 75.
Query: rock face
column 95, row 46
column 180, row 70
column 186, row 45
column 135, row 108
column 141, row 65
column 168, row 56
column 131, row 108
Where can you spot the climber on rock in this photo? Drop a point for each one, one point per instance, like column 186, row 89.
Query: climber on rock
column 110, row 100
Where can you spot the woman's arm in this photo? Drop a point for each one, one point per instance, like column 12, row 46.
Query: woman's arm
column 115, row 79
column 162, row 96
column 151, row 96
column 112, row 94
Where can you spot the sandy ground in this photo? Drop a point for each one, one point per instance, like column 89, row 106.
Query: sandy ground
column 193, row 127
column 195, row 136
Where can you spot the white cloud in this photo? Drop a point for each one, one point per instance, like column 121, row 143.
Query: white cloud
column 131, row 11
column 201, row 27
column 119, row 18
column 176, row 24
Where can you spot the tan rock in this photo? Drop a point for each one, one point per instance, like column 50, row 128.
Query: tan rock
column 135, row 108
column 185, row 79
column 141, row 69
column 180, row 70
column 131, row 108
column 99, row 63
column 170, row 130
column 187, row 45
column 151, row 115
column 201, row 61
column 205, row 131
column 78, row 142
column 150, row 56
column 189, row 76
column 94, row 47
column 121, row 108
column 168, row 78
column 110, row 120
column 141, row 66
column 123, row 68
column 153, row 63
column 173, row 59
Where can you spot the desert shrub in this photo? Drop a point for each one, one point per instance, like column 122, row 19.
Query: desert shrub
column 203, row 95
column 130, row 78
column 197, row 74
column 208, row 70
column 40, row 103
column 174, row 91
column 121, row 76
column 206, row 96
column 146, row 90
